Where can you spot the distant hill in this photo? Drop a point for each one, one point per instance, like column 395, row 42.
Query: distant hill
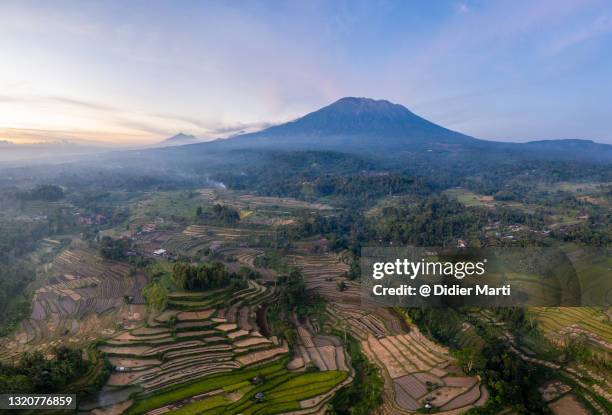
column 180, row 139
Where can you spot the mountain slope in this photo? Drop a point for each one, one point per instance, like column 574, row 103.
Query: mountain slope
column 358, row 116
column 388, row 133
column 354, row 125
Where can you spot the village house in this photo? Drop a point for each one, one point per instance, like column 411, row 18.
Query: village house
column 96, row 219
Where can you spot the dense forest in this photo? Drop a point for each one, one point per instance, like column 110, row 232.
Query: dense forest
column 15, row 275
column 17, row 241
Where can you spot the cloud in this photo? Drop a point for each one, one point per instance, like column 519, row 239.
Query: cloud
column 600, row 26
column 232, row 129
column 115, row 123
column 42, row 136
column 81, row 103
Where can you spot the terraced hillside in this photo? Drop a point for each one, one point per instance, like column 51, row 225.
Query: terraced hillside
column 196, row 237
column 171, row 206
column 83, row 297
column 420, row 372
column 263, row 210
column 590, row 383
column 322, row 273
column 415, row 369
column 325, row 352
column 205, row 353
column 590, row 324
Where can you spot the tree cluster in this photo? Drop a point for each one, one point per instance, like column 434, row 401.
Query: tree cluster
column 222, row 214
column 293, row 290
column 113, row 249
column 36, row 374
column 226, row 214
column 206, row 276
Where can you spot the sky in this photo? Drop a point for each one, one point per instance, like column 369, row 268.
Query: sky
column 132, row 73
